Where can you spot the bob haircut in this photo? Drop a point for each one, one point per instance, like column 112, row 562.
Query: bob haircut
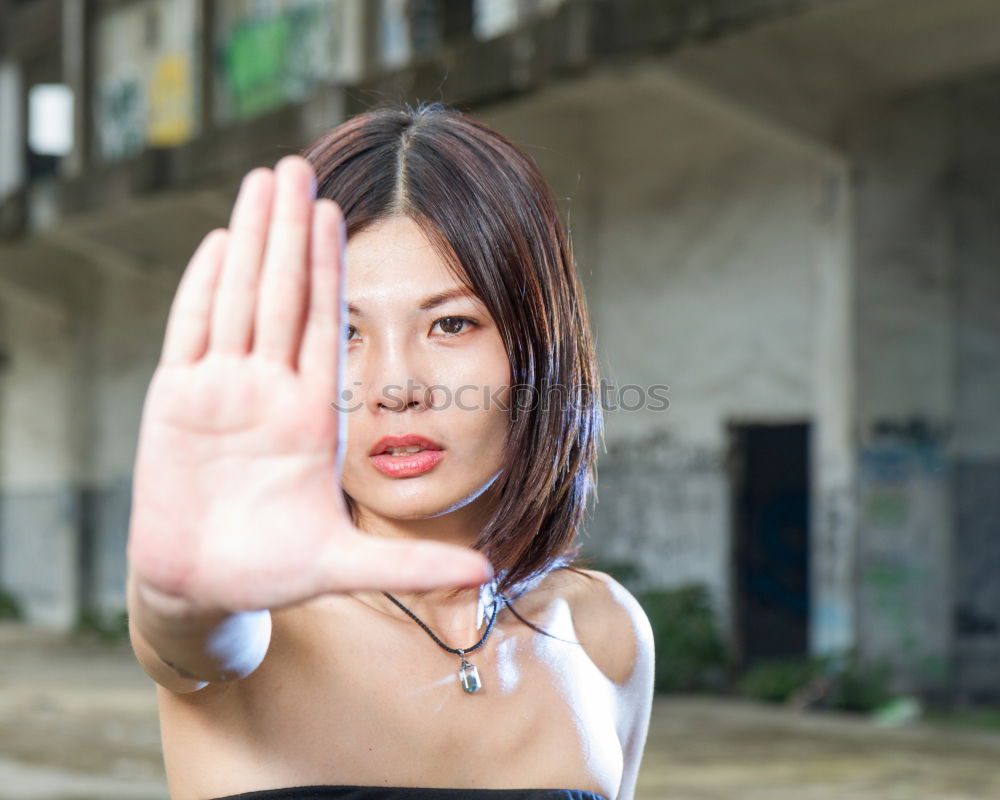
column 490, row 215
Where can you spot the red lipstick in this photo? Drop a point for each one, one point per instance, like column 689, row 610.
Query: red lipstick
column 409, row 464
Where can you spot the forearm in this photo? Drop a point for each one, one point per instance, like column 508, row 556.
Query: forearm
column 199, row 646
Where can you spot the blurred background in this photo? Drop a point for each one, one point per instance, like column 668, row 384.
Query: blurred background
column 783, row 210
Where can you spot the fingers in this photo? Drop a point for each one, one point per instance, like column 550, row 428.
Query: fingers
column 232, row 316
column 248, row 287
column 322, row 354
column 284, row 283
column 370, row 562
column 256, row 298
column 190, row 317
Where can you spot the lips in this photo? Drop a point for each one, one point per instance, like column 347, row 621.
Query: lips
column 405, row 465
column 386, row 443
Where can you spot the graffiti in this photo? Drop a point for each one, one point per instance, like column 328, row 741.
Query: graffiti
column 887, row 507
column 897, row 626
column 254, row 61
column 662, row 507
column 892, row 474
column 122, row 119
column 915, row 430
column 904, row 530
column 265, row 61
column 890, row 586
column 901, row 462
column 266, row 54
column 145, row 73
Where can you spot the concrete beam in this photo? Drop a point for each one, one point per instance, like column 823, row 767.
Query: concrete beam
column 581, row 35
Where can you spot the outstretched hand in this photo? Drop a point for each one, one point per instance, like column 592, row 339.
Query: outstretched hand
column 236, row 501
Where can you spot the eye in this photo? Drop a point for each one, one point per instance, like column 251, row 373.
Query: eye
column 454, row 325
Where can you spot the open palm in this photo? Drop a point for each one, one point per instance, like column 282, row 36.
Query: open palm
column 236, row 502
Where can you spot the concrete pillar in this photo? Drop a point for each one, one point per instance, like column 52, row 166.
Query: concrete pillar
column 39, row 509
column 904, row 383
column 12, row 142
column 976, row 445
column 834, row 544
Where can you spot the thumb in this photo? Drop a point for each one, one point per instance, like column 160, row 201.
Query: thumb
column 364, row 561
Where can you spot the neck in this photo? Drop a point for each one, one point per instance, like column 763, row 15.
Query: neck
column 462, row 615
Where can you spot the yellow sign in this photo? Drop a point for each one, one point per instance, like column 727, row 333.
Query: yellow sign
column 171, row 115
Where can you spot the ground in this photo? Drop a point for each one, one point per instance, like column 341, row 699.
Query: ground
column 78, row 721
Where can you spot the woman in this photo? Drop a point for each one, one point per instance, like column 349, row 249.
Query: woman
column 416, row 632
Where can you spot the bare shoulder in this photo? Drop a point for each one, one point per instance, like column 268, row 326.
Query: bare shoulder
column 610, row 624
column 618, row 637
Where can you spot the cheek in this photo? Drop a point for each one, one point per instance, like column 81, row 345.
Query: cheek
column 475, row 379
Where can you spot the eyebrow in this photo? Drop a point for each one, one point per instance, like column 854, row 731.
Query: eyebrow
column 428, row 303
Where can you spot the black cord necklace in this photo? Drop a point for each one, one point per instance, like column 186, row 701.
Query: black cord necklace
column 468, row 675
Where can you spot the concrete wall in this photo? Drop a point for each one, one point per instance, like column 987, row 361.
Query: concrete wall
column 81, row 343
column 38, row 510
column 128, row 333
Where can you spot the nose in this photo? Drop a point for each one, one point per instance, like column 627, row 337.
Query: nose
column 393, row 377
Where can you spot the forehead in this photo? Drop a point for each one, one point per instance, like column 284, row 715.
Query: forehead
column 394, row 256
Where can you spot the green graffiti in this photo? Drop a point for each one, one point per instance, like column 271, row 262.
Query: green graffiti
column 888, row 578
column 267, row 62
column 889, row 585
column 254, row 61
column 887, row 508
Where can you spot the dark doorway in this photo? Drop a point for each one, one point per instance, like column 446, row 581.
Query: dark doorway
column 770, row 504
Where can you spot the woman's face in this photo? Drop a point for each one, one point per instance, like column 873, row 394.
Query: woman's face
column 418, row 363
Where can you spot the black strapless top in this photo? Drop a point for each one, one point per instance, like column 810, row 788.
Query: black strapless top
column 410, row 793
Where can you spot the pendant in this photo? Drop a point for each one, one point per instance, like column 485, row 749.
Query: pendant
column 468, row 676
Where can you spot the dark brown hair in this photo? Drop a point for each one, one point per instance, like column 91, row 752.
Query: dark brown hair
column 491, row 216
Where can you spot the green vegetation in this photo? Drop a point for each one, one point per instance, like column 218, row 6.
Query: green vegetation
column 778, row 680
column 690, row 654
column 983, row 719
column 10, row 607
column 860, row 688
column 107, row 628
column 818, row 682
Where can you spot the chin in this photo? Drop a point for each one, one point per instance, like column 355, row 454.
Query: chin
column 424, row 505
column 406, row 499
